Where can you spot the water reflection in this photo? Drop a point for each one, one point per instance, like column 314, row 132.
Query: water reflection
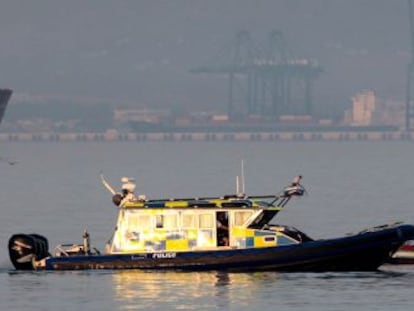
column 196, row 290
column 139, row 290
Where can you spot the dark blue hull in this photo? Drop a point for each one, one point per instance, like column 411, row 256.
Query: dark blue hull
column 360, row 252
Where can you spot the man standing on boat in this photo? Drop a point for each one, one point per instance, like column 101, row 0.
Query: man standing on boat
column 295, row 187
column 296, row 181
column 222, row 229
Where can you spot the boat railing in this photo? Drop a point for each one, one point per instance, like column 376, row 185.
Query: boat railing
column 227, row 201
column 280, row 199
column 67, row 250
column 230, row 200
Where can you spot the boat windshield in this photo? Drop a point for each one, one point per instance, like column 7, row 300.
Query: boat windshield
column 263, row 219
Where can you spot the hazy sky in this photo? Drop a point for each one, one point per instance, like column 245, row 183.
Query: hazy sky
column 142, row 51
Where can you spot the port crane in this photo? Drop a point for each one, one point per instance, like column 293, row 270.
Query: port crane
column 409, row 111
column 264, row 81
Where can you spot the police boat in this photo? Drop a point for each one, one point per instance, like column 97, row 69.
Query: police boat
column 231, row 232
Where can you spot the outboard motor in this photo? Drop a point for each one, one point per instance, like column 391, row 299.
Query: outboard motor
column 23, row 248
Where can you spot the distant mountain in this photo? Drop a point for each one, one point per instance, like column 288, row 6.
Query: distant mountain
column 5, row 95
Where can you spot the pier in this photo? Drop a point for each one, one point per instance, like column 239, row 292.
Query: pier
column 115, row 136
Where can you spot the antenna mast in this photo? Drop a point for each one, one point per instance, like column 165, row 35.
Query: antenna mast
column 240, row 182
column 242, row 177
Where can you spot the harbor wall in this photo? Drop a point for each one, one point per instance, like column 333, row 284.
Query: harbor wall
column 113, row 136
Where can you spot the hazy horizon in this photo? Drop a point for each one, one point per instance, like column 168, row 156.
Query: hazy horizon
column 141, row 52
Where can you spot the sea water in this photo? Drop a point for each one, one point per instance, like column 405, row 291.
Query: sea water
column 54, row 189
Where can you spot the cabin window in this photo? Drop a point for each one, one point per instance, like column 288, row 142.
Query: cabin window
column 170, row 221
column 166, row 221
column 205, row 221
column 241, row 217
column 188, row 221
column 263, row 218
column 159, row 221
column 137, row 221
column 144, row 222
column 133, row 221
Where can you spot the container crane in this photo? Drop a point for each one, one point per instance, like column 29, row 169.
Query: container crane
column 409, row 111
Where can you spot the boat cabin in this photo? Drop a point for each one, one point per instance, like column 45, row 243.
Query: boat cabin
column 196, row 224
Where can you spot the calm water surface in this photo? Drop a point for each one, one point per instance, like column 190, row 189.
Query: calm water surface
column 54, row 190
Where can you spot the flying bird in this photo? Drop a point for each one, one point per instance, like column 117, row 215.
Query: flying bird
column 9, row 161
